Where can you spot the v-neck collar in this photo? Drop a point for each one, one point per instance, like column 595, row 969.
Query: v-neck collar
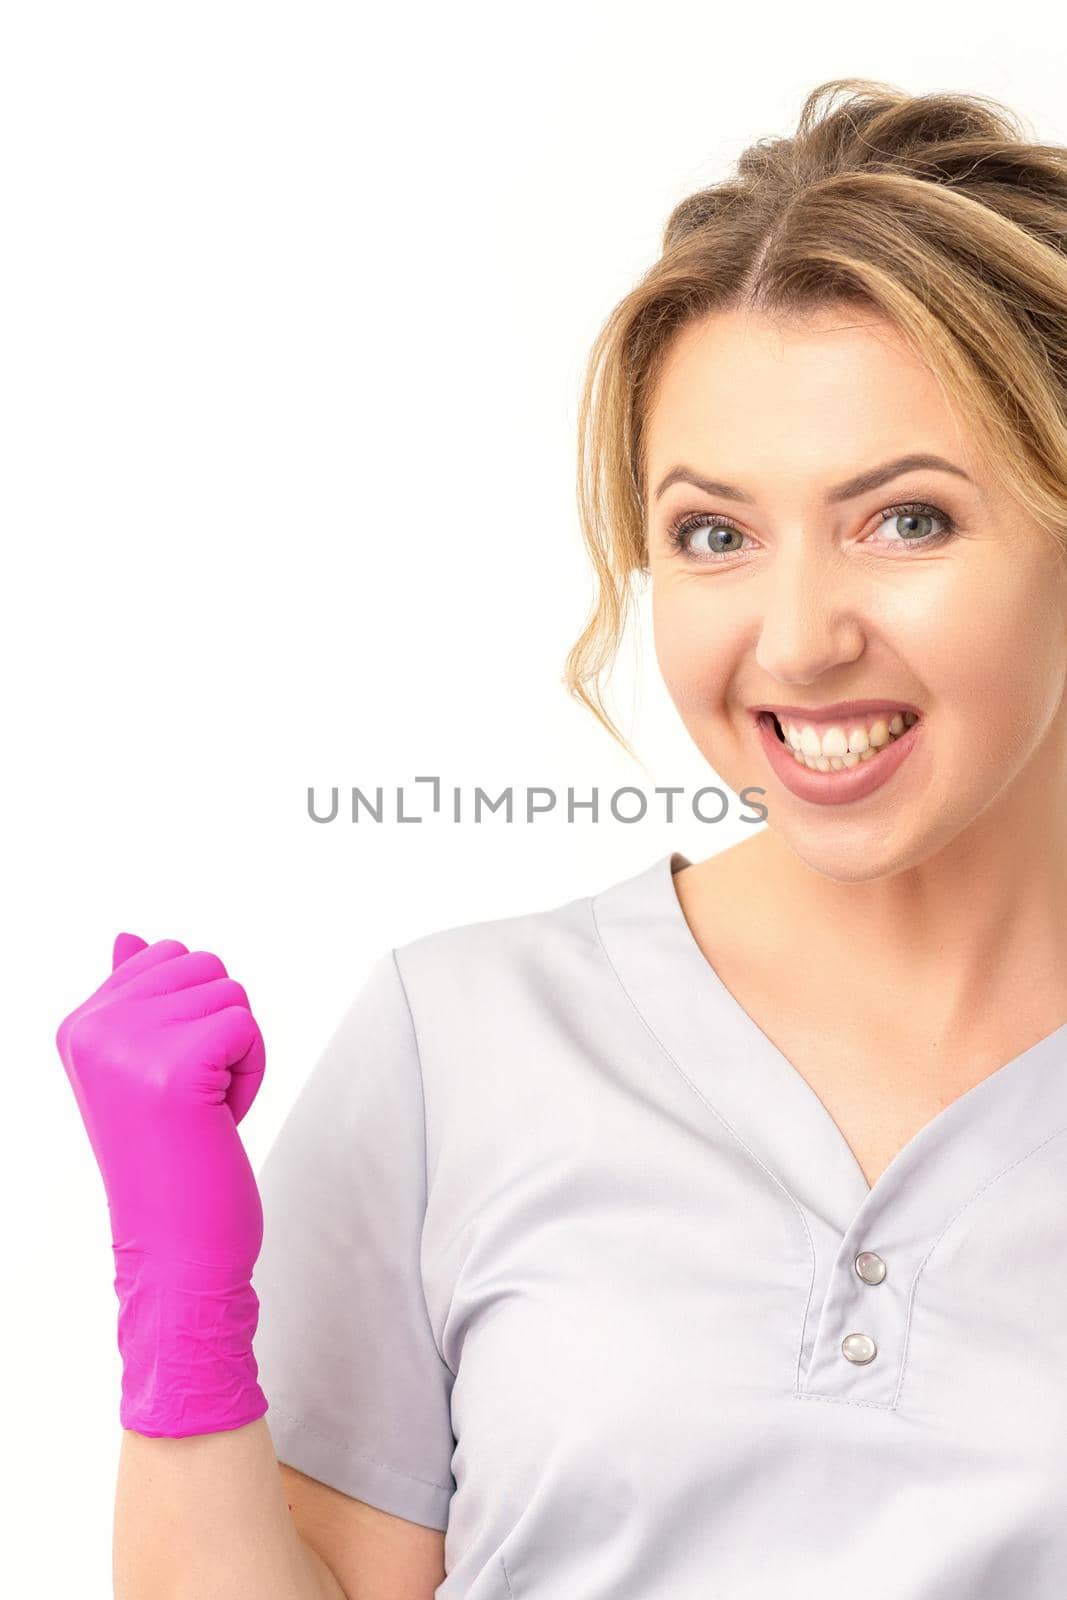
column 762, row 1101
column 772, row 1110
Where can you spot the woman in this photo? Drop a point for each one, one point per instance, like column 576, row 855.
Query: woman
column 702, row 1235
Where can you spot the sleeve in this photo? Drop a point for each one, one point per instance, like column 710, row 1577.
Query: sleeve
column 358, row 1394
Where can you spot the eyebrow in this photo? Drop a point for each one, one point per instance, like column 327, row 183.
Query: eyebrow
column 861, row 484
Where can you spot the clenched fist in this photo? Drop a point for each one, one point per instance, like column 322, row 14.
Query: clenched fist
column 165, row 1058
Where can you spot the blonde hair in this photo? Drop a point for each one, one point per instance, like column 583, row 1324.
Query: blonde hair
column 936, row 211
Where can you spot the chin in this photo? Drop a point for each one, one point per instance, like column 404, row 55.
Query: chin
column 858, row 855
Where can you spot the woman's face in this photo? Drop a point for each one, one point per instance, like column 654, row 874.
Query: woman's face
column 930, row 590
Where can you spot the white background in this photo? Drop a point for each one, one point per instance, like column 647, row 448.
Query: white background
column 295, row 304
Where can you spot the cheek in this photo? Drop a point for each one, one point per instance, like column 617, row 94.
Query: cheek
column 995, row 665
column 696, row 648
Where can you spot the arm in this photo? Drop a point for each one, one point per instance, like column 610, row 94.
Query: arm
column 207, row 1514
column 165, row 1059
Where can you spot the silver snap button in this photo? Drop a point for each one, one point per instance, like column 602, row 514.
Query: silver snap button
column 860, row 1348
column 870, row 1267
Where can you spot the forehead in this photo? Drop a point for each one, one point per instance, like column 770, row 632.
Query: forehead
column 829, row 389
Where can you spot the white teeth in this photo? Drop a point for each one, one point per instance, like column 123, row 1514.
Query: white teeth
column 839, row 747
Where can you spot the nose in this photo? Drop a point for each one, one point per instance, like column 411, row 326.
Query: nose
column 810, row 614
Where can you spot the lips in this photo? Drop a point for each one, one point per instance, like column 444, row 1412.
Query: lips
column 855, row 779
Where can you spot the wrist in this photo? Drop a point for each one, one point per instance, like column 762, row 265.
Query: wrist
column 185, row 1333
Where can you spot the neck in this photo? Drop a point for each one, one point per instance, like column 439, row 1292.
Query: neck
column 977, row 926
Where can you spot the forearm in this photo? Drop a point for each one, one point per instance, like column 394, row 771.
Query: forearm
column 207, row 1515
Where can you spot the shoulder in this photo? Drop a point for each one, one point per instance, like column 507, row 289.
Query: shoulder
column 496, row 949
column 536, row 980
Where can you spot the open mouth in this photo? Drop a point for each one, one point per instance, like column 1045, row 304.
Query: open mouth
column 861, row 739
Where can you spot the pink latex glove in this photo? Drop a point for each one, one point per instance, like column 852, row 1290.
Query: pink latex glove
column 165, row 1058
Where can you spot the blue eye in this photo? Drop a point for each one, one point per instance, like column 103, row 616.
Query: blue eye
column 683, row 525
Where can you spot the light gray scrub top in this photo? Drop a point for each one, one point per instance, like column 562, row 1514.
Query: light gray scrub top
column 563, row 1256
